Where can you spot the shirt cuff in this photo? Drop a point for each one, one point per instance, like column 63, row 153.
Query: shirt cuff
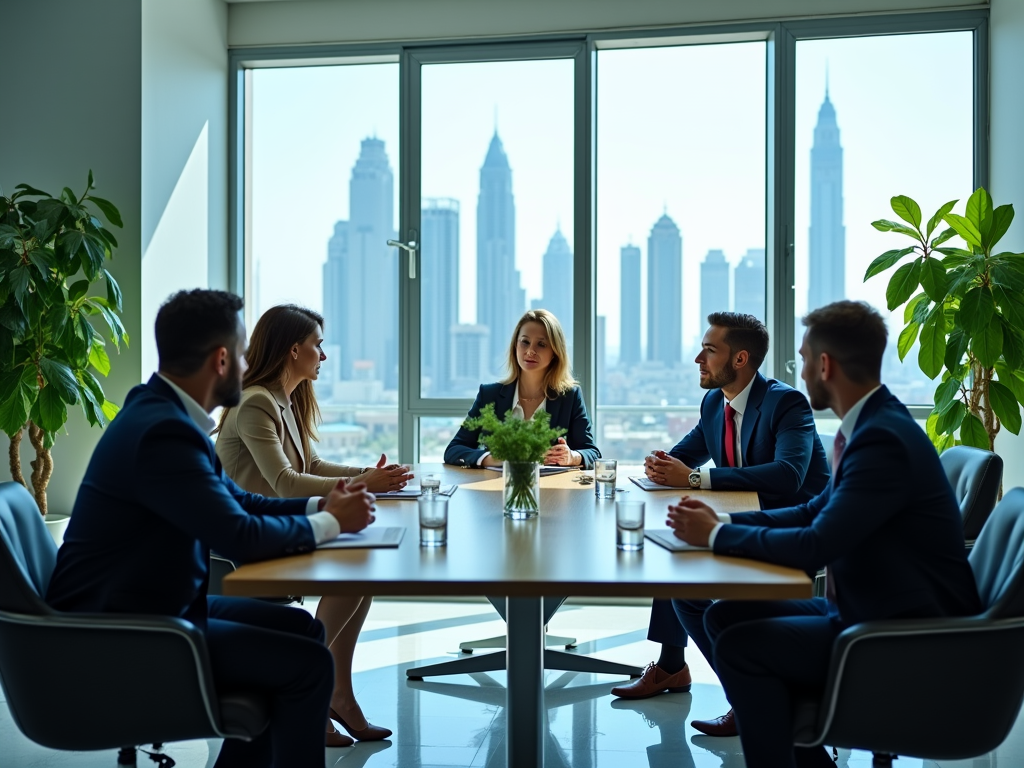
column 484, row 455
column 705, row 479
column 325, row 526
column 714, row 533
column 313, row 505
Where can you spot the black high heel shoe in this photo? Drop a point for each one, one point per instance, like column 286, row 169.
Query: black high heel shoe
column 370, row 733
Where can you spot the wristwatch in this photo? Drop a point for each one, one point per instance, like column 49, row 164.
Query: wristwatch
column 695, row 479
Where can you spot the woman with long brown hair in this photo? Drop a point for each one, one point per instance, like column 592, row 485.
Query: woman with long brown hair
column 265, row 445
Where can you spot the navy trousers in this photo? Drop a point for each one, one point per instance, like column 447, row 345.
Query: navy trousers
column 278, row 650
column 764, row 652
column 673, row 621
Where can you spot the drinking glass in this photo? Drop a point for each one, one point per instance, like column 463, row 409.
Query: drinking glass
column 433, row 520
column 430, row 484
column 629, row 524
column 605, row 475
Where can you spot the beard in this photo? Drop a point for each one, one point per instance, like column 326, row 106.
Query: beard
column 718, row 380
column 818, row 396
column 229, row 391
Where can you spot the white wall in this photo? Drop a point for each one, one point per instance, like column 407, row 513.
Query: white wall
column 1007, row 162
column 317, row 21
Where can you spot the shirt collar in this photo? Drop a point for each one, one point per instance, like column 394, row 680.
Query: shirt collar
column 850, row 419
column 517, row 409
column 195, row 411
column 739, row 403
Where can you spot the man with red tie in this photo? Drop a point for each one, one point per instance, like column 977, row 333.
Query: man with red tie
column 892, row 549
column 760, row 435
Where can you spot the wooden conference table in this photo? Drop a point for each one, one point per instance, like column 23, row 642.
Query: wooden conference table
column 569, row 549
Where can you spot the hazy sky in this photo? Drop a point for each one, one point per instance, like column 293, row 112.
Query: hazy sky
column 680, row 130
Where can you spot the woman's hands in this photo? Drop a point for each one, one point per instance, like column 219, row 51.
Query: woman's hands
column 561, row 455
column 385, row 477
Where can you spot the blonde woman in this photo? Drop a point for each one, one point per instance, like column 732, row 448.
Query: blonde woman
column 265, row 445
column 539, row 379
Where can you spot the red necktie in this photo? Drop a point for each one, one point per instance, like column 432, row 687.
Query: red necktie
column 837, row 453
column 730, row 436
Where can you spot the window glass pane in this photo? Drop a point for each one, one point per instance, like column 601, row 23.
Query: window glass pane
column 497, row 213
column 435, row 434
column 680, row 227
column 861, row 138
column 324, row 191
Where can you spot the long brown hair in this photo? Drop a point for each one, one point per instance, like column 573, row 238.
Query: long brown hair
column 558, row 377
column 276, row 332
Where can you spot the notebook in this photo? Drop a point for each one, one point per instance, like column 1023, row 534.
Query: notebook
column 371, row 538
column 666, row 538
column 649, row 485
column 414, row 492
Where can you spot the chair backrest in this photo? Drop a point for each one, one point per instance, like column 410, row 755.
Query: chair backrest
column 998, row 556
column 975, row 476
column 27, row 552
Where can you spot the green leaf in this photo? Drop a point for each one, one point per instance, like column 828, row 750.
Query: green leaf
column 907, row 338
column 947, row 234
column 946, row 394
column 965, row 228
column 903, row 283
column 98, row 357
column 988, row 345
column 1007, row 276
column 108, row 209
column 910, row 310
column 13, row 413
column 110, row 409
column 956, row 348
column 979, row 212
column 886, row 260
column 32, row 190
column 933, row 279
column 1001, row 219
column 933, row 349
column 1013, row 347
column 20, row 279
column 972, row 432
column 884, row 225
column 117, row 330
column 42, row 260
column 13, row 319
column 1005, row 405
column 60, row 378
column 1014, row 380
column 976, row 310
column 95, row 252
column 949, row 422
column 934, row 220
column 907, row 209
column 1011, row 305
column 77, row 290
column 51, row 409
column 954, row 257
column 114, row 297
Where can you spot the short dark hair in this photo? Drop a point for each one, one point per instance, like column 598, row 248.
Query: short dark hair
column 744, row 332
column 854, row 334
column 191, row 324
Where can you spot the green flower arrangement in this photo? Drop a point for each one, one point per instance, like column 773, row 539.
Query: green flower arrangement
column 520, row 442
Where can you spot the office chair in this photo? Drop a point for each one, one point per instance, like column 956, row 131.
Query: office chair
column 128, row 679
column 975, row 476
column 883, row 693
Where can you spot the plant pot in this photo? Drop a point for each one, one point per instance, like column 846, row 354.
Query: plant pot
column 56, row 524
column 522, row 489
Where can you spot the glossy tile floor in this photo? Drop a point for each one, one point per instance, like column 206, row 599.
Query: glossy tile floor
column 460, row 720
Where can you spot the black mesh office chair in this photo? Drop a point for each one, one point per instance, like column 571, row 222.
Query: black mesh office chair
column 975, row 476
column 886, row 692
column 127, row 679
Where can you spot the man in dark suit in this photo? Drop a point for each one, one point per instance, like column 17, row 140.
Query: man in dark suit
column 760, row 434
column 155, row 500
column 892, row 548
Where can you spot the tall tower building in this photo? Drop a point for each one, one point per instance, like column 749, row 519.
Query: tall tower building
column 361, row 277
column 439, row 290
column 557, row 282
column 500, row 301
column 827, row 251
column 748, row 284
column 629, row 305
column 714, row 286
column 665, row 293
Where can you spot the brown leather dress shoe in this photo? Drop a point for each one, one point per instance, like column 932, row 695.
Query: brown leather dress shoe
column 653, row 681
column 720, row 726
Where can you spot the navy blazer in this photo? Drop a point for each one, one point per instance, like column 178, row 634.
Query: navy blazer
column 783, row 459
column 567, row 411
column 888, row 526
column 154, row 501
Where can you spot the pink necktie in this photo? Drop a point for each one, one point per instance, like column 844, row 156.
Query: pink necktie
column 837, row 453
column 730, row 436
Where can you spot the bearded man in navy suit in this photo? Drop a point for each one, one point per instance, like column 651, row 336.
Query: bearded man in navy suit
column 760, row 434
column 892, row 549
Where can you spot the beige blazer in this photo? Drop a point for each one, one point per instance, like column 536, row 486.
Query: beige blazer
column 260, row 448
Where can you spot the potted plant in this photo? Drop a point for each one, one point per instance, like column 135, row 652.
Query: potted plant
column 968, row 315
column 520, row 444
column 52, row 252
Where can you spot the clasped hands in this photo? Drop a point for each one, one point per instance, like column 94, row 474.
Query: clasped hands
column 692, row 521
column 385, row 477
column 664, row 469
column 561, row 455
column 351, row 504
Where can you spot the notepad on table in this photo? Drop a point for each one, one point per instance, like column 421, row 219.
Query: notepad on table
column 666, row 538
column 414, row 492
column 370, row 538
column 649, row 485
column 546, row 469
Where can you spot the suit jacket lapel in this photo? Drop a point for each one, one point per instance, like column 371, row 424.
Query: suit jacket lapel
column 554, row 407
column 503, row 402
column 753, row 411
column 285, row 407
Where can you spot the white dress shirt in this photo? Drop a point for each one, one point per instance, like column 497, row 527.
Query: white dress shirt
column 739, row 404
column 325, row 526
column 517, row 413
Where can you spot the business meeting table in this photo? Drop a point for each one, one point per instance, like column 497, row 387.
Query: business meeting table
column 568, row 549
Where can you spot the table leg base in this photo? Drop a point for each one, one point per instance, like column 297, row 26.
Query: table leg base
column 553, row 660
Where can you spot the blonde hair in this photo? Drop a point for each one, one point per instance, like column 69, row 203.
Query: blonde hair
column 558, row 378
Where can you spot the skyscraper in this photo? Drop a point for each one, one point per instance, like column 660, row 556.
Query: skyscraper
column 361, row 277
column 629, row 305
column 714, row 286
column 827, row 236
column 500, row 301
column 664, row 293
column 748, row 284
column 439, row 290
column 557, row 282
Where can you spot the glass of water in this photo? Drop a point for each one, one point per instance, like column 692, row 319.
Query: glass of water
column 430, row 484
column 629, row 524
column 433, row 520
column 605, row 475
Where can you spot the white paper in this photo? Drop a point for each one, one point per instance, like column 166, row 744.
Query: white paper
column 666, row 538
column 371, row 538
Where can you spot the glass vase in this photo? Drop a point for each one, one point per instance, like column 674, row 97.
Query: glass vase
column 522, row 489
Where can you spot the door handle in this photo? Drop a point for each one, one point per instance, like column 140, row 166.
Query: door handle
column 411, row 247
